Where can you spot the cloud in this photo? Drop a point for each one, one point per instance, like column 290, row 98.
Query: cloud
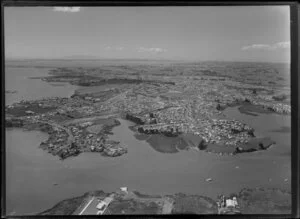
column 275, row 46
column 256, row 47
column 66, row 9
column 283, row 45
column 151, row 50
column 114, row 48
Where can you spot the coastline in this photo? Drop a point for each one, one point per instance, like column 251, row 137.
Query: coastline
column 250, row 201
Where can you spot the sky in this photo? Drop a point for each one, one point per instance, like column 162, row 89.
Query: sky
column 198, row 33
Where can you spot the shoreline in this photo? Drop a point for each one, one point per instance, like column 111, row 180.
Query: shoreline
column 250, row 201
column 180, row 141
column 33, row 113
column 62, row 143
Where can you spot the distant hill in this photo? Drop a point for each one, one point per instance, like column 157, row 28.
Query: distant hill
column 81, row 57
column 88, row 57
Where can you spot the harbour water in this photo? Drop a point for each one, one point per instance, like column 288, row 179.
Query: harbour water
column 18, row 79
column 36, row 180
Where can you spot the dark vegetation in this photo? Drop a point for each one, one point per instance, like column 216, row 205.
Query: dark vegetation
column 202, row 145
column 22, row 108
column 265, row 201
column 250, row 200
column 70, row 206
column 280, row 97
column 66, row 207
column 141, row 195
column 132, row 206
column 255, row 144
column 193, row 204
column 251, row 110
column 13, row 122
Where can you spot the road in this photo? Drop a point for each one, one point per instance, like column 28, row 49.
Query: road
column 87, row 119
column 168, row 206
column 70, row 135
column 58, row 126
column 90, row 208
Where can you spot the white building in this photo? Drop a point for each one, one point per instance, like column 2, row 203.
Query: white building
column 231, row 202
column 29, row 112
column 103, row 205
column 235, row 201
column 124, row 189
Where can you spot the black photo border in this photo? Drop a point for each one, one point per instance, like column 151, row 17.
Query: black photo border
column 295, row 82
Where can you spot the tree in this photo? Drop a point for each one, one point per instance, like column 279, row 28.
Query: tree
column 202, row 145
column 261, row 146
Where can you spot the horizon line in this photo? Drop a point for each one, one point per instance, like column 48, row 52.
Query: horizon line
column 137, row 59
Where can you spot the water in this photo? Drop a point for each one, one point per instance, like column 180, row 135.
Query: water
column 267, row 125
column 32, row 172
column 17, row 79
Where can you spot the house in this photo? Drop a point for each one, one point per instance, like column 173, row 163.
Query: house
column 228, row 206
column 229, row 203
column 88, row 98
column 124, row 189
column 29, row 112
column 101, row 206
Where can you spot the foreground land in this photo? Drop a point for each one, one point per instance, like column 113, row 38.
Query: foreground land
column 181, row 103
column 250, row 201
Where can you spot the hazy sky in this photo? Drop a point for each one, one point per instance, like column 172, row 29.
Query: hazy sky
column 228, row 33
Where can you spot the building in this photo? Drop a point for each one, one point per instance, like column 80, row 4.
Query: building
column 235, row 201
column 29, row 112
column 230, row 203
column 228, row 206
column 124, row 189
column 103, row 205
